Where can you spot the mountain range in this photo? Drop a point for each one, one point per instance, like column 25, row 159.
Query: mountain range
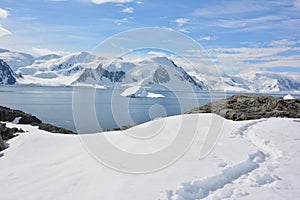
column 152, row 73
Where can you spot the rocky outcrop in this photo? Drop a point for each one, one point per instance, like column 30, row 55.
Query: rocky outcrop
column 246, row 107
column 2, row 145
column 6, row 134
column 7, row 114
column 7, row 76
column 54, row 129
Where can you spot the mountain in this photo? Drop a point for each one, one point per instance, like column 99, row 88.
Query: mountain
column 16, row 59
column 57, row 70
column 152, row 73
column 7, row 76
column 156, row 73
column 258, row 81
column 271, row 81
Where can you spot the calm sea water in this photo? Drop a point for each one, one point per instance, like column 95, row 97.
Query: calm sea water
column 54, row 104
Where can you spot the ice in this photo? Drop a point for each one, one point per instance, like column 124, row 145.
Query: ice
column 140, row 92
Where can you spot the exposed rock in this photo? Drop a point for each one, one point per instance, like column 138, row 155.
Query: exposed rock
column 7, row 133
column 125, row 127
column 161, row 75
column 2, row 145
column 246, row 107
column 7, row 76
column 7, row 114
column 54, row 129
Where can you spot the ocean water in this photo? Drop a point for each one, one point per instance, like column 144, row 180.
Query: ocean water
column 54, row 104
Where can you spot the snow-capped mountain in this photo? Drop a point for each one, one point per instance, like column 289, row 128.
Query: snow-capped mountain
column 261, row 81
column 271, row 82
column 16, row 59
column 7, row 76
column 152, row 73
column 57, row 70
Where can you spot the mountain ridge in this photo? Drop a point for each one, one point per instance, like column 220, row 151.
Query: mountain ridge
column 86, row 68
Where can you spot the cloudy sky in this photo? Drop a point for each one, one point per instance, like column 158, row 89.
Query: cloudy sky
column 236, row 34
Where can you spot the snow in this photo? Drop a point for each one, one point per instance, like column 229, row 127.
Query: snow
column 57, row 70
column 65, row 70
column 16, row 59
column 140, row 92
column 257, row 159
column 89, row 85
column 16, row 120
column 252, row 81
column 289, row 96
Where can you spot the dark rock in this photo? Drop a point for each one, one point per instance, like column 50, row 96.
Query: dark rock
column 246, row 107
column 7, row 76
column 2, row 145
column 161, row 75
column 8, row 133
column 54, row 129
column 7, row 114
column 29, row 119
column 125, row 127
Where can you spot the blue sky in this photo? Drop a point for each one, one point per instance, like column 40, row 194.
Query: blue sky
column 237, row 34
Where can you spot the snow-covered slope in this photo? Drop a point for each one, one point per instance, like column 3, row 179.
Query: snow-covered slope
column 16, row 59
column 57, row 70
column 257, row 159
column 271, row 82
column 7, row 76
column 260, row 81
column 153, row 73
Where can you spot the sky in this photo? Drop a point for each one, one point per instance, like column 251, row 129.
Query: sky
column 237, row 34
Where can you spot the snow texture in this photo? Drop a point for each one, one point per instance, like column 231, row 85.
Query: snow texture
column 257, row 159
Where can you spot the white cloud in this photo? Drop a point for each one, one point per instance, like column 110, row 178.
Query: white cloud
column 121, row 21
column 259, row 57
column 183, row 30
column 206, row 38
column 4, row 31
column 281, row 43
column 42, row 52
column 157, row 53
column 256, row 57
column 181, row 21
column 3, row 13
column 110, row 1
column 128, row 10
column 139, row 2
column 118, row 21
column 232, row 8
